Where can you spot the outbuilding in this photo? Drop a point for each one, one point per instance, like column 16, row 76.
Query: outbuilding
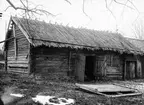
column 55, row 52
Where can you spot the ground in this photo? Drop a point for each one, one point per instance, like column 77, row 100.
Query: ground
column 67, row 89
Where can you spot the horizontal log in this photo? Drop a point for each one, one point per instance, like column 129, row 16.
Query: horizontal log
column 22, row 42
column 17, row 70
column 21, row 53
column 52, row 64
column 51, row 56
column 10, row 54
column 50, row 60
column 18, row 58
column 114, row 73
column 18, row 61
column 17, row 65
column 10, row 50
column 19, row 35
column 51, row 72
column 114, row 77
column 48, row 52
column 10, row 47
column 51, row 68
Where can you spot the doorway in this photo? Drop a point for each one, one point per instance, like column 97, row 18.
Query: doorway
column 131, row 71
column 89, row 68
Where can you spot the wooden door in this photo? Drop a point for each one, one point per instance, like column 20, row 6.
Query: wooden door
column 131, row 72
column 80, row 67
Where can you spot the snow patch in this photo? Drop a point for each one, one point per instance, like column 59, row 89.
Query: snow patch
column 52, row 100
column 17, row 95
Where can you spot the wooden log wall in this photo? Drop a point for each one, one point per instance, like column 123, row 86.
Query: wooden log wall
column 102, row 67
column 17, row 52
column 109, row 66
column 51, row 63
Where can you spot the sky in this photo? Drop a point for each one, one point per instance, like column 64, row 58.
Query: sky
column 71, row 14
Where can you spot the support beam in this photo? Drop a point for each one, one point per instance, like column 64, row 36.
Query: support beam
column 30, row 59
column 15, row 44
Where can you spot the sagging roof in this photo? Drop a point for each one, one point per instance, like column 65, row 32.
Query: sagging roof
column 54, row 35
column 138, row 43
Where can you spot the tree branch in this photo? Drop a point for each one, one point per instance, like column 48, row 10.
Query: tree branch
column 133, row 5
column 8, row 8
column 23, row 4
column 109, row 9
column 11, row 4
column 28, row 10
column 123, row 4
column 68, row 1
column 83, row 9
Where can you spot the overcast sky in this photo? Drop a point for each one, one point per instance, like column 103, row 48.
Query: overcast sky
column 99, row 18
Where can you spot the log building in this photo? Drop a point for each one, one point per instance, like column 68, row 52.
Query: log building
column 55, row 51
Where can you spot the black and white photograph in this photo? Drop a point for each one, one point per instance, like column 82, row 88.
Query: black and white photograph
column 71, row 52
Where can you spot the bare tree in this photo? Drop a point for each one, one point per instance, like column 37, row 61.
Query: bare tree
column 37, row 10
column 27, row 10
column 138, row 29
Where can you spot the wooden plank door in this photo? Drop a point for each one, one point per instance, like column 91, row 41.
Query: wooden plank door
column 131, row 70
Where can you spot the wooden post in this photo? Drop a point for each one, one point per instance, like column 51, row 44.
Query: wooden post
column 5, row 56
column 30, row 59
column 15, row 44
column 80, row 67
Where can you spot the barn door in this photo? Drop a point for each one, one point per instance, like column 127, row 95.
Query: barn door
column 131, row 72
column 80, row 67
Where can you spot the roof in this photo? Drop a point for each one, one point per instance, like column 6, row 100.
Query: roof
column 138, row 43
column 53, row 35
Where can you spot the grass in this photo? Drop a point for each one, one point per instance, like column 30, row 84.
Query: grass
column 66, row 89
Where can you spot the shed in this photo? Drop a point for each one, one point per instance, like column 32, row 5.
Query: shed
column 56, row 51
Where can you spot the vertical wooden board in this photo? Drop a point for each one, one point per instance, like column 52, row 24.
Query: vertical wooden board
column 139, row 69
column 100, row 68
column 131, row 70
column 80, row 67
column 124, row 71
column 29, row 59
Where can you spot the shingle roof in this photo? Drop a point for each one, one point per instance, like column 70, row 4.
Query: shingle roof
column 42, row 33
